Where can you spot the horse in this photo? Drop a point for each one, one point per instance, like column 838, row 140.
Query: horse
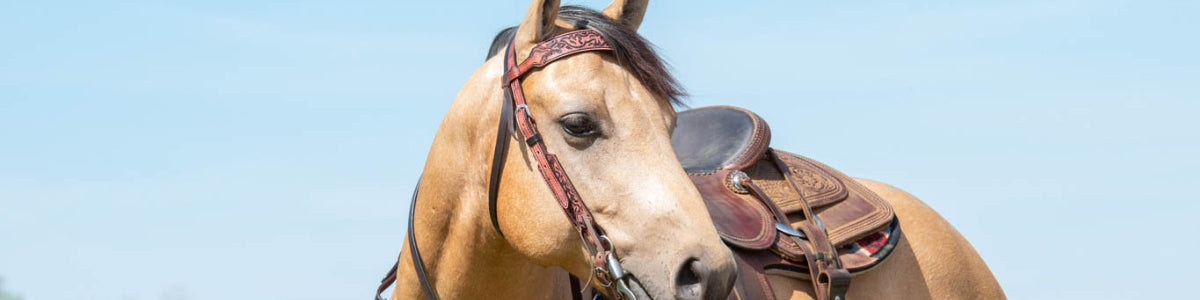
column 630, row 177
column 608, row 117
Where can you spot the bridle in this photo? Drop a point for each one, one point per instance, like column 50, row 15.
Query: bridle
column 606, row 268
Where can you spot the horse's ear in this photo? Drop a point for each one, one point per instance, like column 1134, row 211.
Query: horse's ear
column 538, row 24
column 627, row 12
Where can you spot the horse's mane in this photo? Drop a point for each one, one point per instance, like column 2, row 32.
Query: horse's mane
column 630, row 49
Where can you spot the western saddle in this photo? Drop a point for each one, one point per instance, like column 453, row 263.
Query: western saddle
column 781, row 213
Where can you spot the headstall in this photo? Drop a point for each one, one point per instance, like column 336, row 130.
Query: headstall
column 606, row 269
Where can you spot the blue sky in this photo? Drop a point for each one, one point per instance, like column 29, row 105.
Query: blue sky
column 265, row 149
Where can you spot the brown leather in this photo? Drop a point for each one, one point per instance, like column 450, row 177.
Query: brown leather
column 739, row 220
column 779, row 187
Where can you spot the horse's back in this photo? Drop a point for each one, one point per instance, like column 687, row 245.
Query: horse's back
column 931, row 261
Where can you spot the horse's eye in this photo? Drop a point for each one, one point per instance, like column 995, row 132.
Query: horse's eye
column 579, row 124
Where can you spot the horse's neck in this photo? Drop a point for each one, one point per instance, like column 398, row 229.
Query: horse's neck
column 463, row 255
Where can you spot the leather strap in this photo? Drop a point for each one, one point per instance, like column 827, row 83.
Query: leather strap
column 560, row 46
column 390, row 278
column 387, row 280
column 503, row 129
column 830, row 280
column 419, row 265
column 576, row 287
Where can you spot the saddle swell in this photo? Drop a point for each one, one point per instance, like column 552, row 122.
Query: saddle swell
column 718, row 144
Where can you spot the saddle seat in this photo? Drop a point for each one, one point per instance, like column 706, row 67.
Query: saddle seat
column 718, row 144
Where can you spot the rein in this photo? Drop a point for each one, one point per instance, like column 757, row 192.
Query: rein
column 515, row 111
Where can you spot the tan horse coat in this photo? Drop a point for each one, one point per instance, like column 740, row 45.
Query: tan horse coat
column 631, row 181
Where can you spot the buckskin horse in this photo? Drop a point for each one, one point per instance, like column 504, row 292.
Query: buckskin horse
column 658, row 204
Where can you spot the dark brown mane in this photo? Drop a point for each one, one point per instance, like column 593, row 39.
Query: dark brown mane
column 631, row 50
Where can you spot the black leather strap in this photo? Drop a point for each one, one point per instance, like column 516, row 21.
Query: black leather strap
column 416, row 254
column 387, row 280
column 576, row 287
column 503, row 129
column 498, row 157
column 416, row 257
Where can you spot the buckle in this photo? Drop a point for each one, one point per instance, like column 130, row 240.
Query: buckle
column 521, row 107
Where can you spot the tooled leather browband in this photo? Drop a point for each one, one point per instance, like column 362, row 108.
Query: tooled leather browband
column 560, row 46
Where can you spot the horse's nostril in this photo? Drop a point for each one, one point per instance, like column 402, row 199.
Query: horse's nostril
column 688, row 280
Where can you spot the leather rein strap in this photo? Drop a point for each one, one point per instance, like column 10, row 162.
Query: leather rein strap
column 606, row 268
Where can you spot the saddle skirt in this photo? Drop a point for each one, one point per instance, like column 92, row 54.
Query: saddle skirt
column 718, row 144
